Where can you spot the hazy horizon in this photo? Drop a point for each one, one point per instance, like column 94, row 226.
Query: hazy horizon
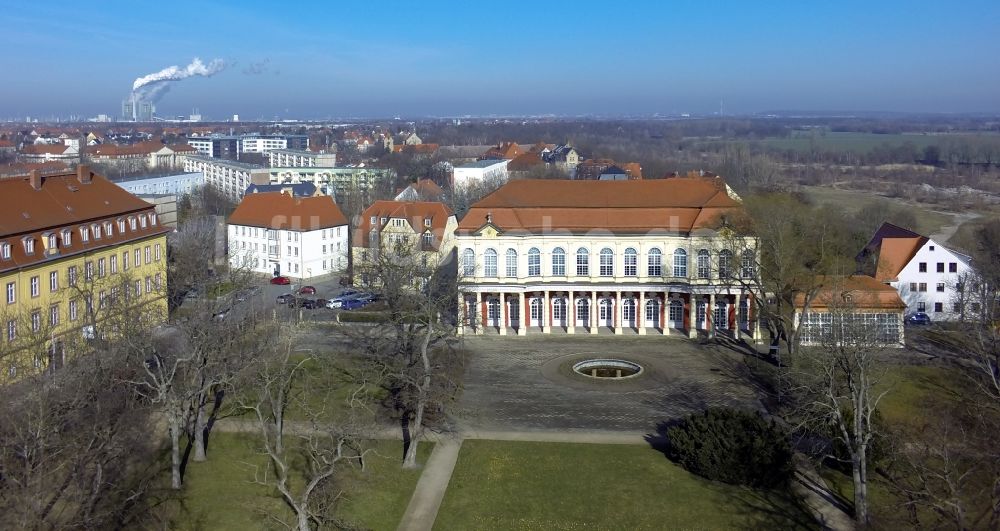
column 429, row 59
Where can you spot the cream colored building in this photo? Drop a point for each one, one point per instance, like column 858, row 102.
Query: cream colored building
column 428, row 228
column 603, row 256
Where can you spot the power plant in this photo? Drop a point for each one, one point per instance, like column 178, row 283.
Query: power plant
column 140, row 106
column 136, row 109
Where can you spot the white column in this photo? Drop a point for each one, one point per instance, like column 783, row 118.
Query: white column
column 478, row 314
column 754, row 318
column 692, row 316
column 571, row 314
column 640, row 314
column 710, row 314
column 546, row 328
column 617, row 309
column 523, row 314
column 460, row 329
column 503, row 314
column 593, row 312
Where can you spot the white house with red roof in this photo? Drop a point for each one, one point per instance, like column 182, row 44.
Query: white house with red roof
column 928, row 276
column 281, row 234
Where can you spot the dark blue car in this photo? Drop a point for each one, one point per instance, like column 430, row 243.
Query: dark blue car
column 918, row 319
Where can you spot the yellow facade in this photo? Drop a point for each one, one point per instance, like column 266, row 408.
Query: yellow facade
column 47, row 307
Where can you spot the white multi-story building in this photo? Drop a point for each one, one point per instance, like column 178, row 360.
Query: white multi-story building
column 278, row 234
column 294, row 158
column 262, row 144
column 181, row 184
column 593, row 256
column 480, row 170
column 229, row 177
column 928, row 276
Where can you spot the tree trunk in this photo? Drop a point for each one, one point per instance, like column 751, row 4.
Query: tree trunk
column 410, row 459
column 175, row 452
column 303, row 519
column 199, row 432
column 859, row 467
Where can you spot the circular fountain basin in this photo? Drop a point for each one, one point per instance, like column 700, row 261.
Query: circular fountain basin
column 608, row 369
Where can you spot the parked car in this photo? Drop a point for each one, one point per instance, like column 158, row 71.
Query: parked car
column 354, row 303
column 281, row 281
column 918, row 319
column 321, row 303
column 307, row 290
column 339, row 300
column 308, row 304
column 284, row 299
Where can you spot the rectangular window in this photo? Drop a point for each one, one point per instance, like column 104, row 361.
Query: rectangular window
column 156, row 281
column 11, row 330
column 940, row 267
column 5, row 251
column 36, row 321
column 54, row 315
column 956, row 307
column 88, row 271
column 922, row 287
column 631, row 264
column 922, row 267
column 149, row 284
column 952, row 267
column 34, row 286
column 607, row 264
column 138, row 258
column 921, row 306
column 582, row 263
column 137, row 288
column 73, row 310
column 101, row 268
column 558, row 264
column 490, row 264
column 125, row 261
column 11, row 293
column 114, row 263
column 147, row 254
column 938, row 307
column 54, row 281
column 940, row 287
column 655, row 266
column 156, row 252
column 324, row 249
column 913, row 286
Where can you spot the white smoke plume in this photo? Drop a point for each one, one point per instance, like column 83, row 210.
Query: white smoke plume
column 152, row 86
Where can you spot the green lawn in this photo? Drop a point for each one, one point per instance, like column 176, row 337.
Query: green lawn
column 562, row 486
column 912, row 388
column 220, row 493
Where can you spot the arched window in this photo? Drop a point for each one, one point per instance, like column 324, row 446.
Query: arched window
column 558, row 262
column 749, row 266
column 704, row 264
column 680, row 263
column 725, row 263
column 582, row 262
column 490, row 263
column 534, row 262
column 468, row 263
column 653, row 312
column 631, row 262
column 511, row 263
column 607, row 262
column 655, row 263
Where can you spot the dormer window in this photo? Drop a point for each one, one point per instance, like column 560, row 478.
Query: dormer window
column 67, row 237
column 383, row 221
column 84, row 234
column 142, row 222
column 109, row 228
column 5, row 251
column 121, row 225
column 152, row 218
column 29, row 245
column 131, row 222
column 427, row 222
column 97, row 231
column 51, row 242
column 373, row 220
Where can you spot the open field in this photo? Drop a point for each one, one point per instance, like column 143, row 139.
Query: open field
column 929, row 220
column 859, row 142
column 221, row 494
column 561, row 486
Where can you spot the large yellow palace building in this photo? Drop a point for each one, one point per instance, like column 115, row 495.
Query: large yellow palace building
column 74, row 249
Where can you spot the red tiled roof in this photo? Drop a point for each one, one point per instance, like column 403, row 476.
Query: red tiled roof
column 894, row 254
column 20, row 169
column 414, row 212
column 280, row 211
column 525, row 162
column 633, row 206
column 44, row 149
column 64, row 202
column 860, row 292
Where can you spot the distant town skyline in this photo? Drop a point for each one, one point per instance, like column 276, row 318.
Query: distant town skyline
column 435, row 59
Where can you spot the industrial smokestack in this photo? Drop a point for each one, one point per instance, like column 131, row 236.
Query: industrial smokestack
column 152, row 87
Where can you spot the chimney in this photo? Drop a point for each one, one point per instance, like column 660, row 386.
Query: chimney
column 35, row 178
column 83, row 173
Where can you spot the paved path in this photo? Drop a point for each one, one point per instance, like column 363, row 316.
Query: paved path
column 427, row 496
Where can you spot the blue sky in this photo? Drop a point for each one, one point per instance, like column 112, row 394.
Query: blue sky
column 320, row 59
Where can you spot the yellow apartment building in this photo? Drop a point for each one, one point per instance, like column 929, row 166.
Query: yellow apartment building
column 75, row 250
